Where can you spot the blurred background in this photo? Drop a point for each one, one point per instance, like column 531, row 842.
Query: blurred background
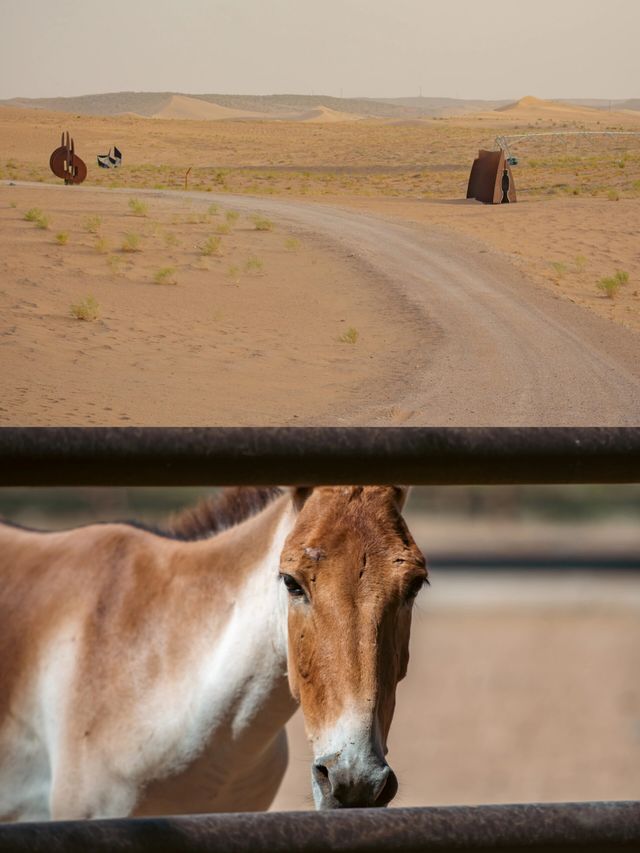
column 524, row 681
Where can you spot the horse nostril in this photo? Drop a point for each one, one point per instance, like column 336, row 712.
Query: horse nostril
column 321, row 777
column 389, row 789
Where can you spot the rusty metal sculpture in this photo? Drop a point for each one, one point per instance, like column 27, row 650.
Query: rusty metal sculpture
column 491, row 180
column 66, row 164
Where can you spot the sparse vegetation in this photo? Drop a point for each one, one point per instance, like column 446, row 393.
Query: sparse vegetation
column 86, row 309
column 261, row 223
column 170, row 240
column 613, row 195
column 137, row 207
column 62, row 238
column 131, row 242
column 234, row 273
column 559, row 267
column 350, row 336
column 165, row 275
column 254, row 264
column 211, row 246
column 212, row 210
column 610, row 285
column 15, row 203
column 101, row 245
column 92, row 224
column 115, row 264
column 223, row 228
column 39, row 219
column 292, row 244
column 581, row 264
column 232, row 217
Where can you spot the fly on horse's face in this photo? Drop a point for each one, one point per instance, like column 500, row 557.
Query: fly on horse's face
column 352, row 572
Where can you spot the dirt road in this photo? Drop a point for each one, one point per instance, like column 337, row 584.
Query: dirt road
column 503, row 352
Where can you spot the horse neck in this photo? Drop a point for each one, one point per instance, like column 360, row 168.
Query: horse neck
column 248, row 666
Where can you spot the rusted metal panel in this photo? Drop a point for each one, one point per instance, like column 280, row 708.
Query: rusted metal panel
column 159, row 456
column 491, row 179
column 552, row 828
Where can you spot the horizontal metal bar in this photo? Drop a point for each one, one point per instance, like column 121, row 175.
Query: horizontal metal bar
column 159, row 456
column 576, row 827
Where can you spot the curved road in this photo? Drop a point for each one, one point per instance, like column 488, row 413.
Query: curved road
column 508, row 352
column 498, row 350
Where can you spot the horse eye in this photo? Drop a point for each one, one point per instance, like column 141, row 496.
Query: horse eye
column 292, row 585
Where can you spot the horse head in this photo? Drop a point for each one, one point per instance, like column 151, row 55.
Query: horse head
column 352, row 572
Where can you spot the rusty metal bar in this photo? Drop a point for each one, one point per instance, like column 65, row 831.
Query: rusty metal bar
column 552, row 827
column 150, row 456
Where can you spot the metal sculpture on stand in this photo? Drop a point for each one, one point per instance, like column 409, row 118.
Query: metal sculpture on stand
column 66, row 164
column 112, row 160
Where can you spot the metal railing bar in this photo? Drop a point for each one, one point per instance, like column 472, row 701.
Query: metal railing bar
column 576, row 827
column 159, row 456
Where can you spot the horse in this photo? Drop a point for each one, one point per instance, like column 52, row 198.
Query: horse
column 152, row 671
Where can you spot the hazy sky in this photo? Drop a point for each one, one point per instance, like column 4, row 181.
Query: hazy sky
column 385, row 48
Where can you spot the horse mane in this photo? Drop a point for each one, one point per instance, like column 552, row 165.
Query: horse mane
column 220, row 512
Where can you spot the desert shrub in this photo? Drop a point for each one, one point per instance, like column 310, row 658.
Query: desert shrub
column 613, row 195
column 62, row 238
column 137, row 207
column 165, row 275
column 212, row 209
column 610, row 285
column 170, row 240
column 234, row 273
column 101, row 245
column 211, row 246
column 36, row 215
column 254, row 264
column 581, row 264
column 261, row 223
column 86, row 309
column 559, row 267
column 232, row 217
column 131, row 242
column 92, row 224
column 115, row 264
column 223, row 228
column 350, row 336
column 292, row 244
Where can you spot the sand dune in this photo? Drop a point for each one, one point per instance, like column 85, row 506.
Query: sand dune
column 184, row 107
column 325, row 115
column 539, row 107
column 531, row 110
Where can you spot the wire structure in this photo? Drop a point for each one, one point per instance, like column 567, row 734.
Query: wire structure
column 505, row 142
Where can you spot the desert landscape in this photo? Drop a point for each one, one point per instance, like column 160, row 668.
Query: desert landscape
column 385, row 324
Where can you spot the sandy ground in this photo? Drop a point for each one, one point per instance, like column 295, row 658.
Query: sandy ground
column 255, row 333
column 518, row 690
column 447, row 332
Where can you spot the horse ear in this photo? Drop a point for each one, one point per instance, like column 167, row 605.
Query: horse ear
column 401, row 494
column 300, row 495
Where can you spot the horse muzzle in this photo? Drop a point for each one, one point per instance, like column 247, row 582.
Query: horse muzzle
column 339, row 784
